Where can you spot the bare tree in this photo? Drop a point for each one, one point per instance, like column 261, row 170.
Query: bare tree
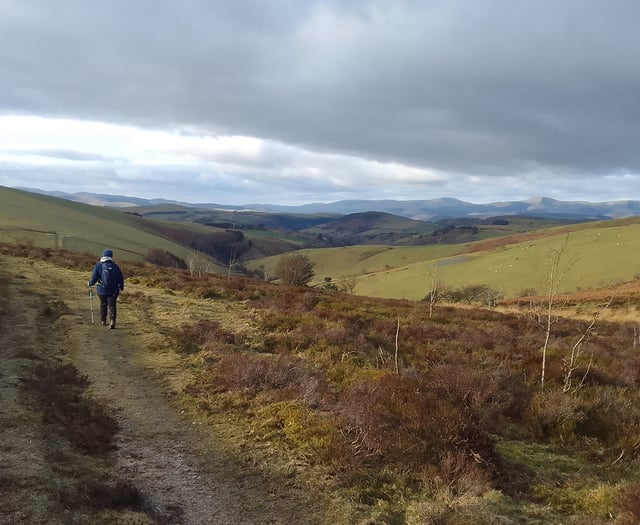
column 529, row 294
column 433, row 270
column 576, row 351
column 231, row 261
column 347, row 283
column 396, row 351
column 554, row 278
column 195, row 262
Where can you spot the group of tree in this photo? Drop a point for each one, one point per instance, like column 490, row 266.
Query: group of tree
column 165, row 258
column 295, row 269
column 470, row 294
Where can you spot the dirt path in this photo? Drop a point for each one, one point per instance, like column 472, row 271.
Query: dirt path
column 175, row 463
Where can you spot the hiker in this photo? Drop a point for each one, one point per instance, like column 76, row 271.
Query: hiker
column 110, row 283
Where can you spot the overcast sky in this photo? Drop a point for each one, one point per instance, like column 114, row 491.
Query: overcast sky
column 294, row 101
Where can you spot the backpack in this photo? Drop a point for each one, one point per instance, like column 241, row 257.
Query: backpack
column 108, row 278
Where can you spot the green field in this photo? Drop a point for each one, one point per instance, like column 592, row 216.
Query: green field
column 56, row 223
column 597, row 255
column 594, row 257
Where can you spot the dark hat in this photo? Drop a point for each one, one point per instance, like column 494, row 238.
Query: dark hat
column 107, row 253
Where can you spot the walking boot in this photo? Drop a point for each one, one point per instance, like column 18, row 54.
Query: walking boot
column 112, row 324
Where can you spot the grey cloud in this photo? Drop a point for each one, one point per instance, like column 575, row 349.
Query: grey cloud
column 490, row 88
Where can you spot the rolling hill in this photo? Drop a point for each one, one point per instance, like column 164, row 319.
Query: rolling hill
column 391, row 258
column 597, row 255
column 57, row 223
column 433, row 210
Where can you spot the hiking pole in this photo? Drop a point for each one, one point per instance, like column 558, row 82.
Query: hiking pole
column 91, row 302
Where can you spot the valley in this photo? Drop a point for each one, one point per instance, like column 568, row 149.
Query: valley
column 490, row 381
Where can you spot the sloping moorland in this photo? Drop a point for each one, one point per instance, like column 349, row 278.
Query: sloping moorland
column 407, row 417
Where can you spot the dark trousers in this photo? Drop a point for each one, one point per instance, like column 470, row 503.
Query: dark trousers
column 107, row 304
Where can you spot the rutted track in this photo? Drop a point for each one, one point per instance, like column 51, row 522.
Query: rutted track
column 182, row 475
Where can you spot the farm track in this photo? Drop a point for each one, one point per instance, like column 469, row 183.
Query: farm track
column 183, row 476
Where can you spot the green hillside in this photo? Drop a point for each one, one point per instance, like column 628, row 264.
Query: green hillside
column 597, row 254
column 58, row 223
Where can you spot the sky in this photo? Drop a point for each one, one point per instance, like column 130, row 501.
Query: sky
column 298, row 101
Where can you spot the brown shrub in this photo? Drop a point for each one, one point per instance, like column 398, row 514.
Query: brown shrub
column 193, row 337
column 629, row 505
column 407, row 422
column 611, row 415
column 258, row 373
column 553, row 415
column 462, row 385
column 278, row 321
column 495, row 396
column 463, row 474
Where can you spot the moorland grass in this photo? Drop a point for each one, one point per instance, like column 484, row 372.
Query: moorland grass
column 463, row 419
column 446, row 423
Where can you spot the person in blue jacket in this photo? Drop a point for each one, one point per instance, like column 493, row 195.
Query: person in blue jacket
column 110, row 283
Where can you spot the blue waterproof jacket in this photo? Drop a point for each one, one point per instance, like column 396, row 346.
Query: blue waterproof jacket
column 115, row 281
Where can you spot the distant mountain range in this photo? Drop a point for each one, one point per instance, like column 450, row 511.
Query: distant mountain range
column 425, row 210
